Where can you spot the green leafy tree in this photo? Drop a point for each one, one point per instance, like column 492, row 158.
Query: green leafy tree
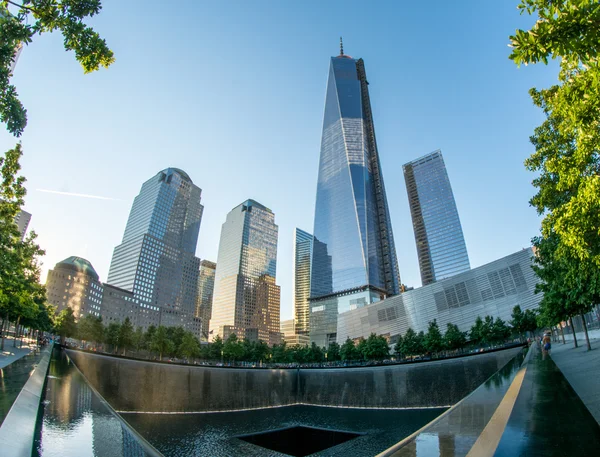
column 84, row 328
column 65, row 324
column 477, row 334
column 161, row 342
column 375, row 348
column 411, row 344
column 28, row 18
column 361, row 348
column 175, row 334
column 433, row 339
column 216, row 348
column 348, row 351
column 190, row 346
column 233, row 348
column 148, row 335
column 315, row 353
column 566, row 157
column 261, row 351
column 333, row 352
column 398, row 346
column 280, row 353
column 517, row 321
column 111, row 335
column 21, row 294
column 454, row 338
column 500, row 331
column 570, row 285
column 125, row 335
column 137, row 339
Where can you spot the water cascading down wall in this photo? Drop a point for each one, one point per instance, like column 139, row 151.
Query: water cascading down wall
column 131, row 385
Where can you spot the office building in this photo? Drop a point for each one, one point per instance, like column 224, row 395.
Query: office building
column 246, row 299
column 290, row 335
column 206, row 285
column 303, row 247
column 156, row 259
column 438, row 234
column 73, row 283
column 493, row 289
column 354, row 257
column 22, row 220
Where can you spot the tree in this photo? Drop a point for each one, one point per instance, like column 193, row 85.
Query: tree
column 215, row 350
column 65, row 324
column 333, row 352
column 190, row 346
column 21, row 294
column 233, row 349
column 261, row 351
column 84, row 328
column 148, row 335
column 454, row 338
column 34, row 17
column 315, row 353
column 433, row 339
column 517, row 321
column 137, row 340
column 375, row 348
column 126, row 335
column 570, row 285
column 411, row 344
column 280, row 353
column 111, row 335
column 499, row 331
column 398, row 346
column 567, row 143
column 161, row 342
column 348, row 351
column 361, row 348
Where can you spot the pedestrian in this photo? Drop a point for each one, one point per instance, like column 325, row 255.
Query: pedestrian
column 546, row 344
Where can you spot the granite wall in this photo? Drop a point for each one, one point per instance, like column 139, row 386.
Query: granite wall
column 130, row 385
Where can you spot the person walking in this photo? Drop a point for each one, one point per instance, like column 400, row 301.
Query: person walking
column 546, row 343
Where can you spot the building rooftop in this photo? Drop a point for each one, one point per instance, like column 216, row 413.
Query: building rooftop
column 80, row 265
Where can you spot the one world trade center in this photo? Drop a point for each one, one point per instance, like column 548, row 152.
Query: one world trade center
column 354, row 258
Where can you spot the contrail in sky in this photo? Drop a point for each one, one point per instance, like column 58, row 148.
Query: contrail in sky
column 73, row 194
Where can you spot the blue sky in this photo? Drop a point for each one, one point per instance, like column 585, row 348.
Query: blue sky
column 233, row 93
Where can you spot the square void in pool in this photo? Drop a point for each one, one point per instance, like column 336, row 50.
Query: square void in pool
column 299, row 441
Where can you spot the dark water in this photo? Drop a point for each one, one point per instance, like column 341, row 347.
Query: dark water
column 12, row 379
column 214, row 434
column 75, row 422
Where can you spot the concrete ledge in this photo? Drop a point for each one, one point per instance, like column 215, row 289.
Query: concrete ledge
column 17, row 433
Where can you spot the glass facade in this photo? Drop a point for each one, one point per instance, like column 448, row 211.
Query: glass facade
column 440, row 242
column 493, row 289
column 354, row 248
column 246, row 299
column 206, row 285
column 303, row 247
column 156, row 259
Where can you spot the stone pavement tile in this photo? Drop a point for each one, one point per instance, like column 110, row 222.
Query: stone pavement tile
column 582, row 369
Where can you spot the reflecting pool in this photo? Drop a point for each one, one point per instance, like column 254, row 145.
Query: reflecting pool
column 216, row 434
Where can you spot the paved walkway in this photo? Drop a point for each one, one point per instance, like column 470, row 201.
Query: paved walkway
column 10, row 353
column 582, row 369
column 548, row 418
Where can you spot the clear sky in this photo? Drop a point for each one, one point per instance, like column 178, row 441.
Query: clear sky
column 233, row 93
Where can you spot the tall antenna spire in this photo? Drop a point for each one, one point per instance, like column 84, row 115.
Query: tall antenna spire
column 341, row 47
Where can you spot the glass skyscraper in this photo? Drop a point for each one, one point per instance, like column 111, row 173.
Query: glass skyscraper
column 354, row 257
column 156, row 259
column 302, row 260
column 440, row 242
column 206, row 285
column 246, row 299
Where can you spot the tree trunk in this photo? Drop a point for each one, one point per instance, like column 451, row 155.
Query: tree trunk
column 16, row 332
column 160, row 358
column 573, row 331
column 587, row 338
column 562, row 333
column 2, row 333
